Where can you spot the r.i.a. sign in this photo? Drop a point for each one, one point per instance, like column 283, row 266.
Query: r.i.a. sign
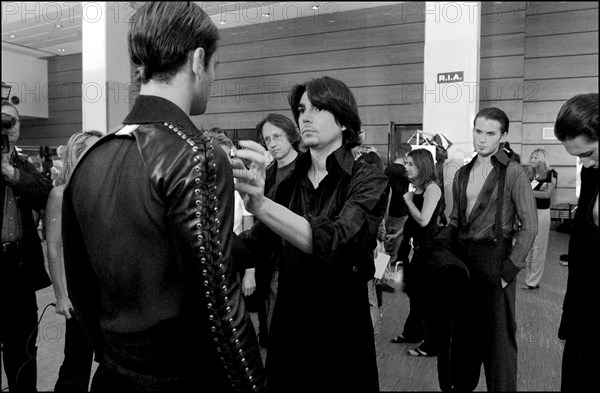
column 450, row 77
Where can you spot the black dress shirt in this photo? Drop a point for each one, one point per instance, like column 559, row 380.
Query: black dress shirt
column 344, row 213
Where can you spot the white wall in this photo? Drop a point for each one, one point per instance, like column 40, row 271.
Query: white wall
column 28, row 77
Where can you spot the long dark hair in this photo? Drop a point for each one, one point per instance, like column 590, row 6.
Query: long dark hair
column 423, row 160
column 335, row 97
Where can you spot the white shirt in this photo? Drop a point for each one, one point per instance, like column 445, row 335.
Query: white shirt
column 239, row 213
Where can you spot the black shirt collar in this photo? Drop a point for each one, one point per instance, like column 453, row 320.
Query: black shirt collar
column 499, row 158
column 154, row 109
column 341, row 159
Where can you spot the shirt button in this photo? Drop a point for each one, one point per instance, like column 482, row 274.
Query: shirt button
column 354, row 268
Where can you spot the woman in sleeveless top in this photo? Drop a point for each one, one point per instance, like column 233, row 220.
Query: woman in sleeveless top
column 543, row 185
column 424, row 207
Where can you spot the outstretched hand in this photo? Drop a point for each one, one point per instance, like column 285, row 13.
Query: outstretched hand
column 251, row 182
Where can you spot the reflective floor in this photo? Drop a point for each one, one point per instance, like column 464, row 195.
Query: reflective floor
column 538, row 316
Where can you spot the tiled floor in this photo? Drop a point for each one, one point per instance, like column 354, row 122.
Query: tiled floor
column 538, row 315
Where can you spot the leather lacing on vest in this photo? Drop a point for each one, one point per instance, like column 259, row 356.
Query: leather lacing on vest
column 227, row 317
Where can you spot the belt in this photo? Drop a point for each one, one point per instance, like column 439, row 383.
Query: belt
column 11, row 246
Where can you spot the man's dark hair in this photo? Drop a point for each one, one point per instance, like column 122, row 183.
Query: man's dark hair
column 335, row 97
column 494, row 114
column 162, row 35
column 404, row 149
column 423, row 160
column 578, row 117
column 371, row 158
column 285, row 124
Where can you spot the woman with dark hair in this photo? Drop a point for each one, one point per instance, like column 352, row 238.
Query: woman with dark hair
column 322, row 221
column 424, row 207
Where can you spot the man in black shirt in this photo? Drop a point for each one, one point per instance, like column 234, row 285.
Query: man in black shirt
column 323, row 222
column 22, row 190
column 577, row 129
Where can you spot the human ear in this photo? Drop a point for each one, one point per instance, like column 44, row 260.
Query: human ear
column 198, row 61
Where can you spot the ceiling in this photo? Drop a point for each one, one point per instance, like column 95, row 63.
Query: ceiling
column 45, row 29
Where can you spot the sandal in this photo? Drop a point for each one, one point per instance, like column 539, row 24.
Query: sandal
column 401, row 340
column 418, row 352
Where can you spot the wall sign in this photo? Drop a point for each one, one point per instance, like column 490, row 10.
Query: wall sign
column 451, row 77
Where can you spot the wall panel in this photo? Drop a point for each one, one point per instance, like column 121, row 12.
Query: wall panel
column 561, row 60
column 378, row 52
column 534, row 56
column 64, row 105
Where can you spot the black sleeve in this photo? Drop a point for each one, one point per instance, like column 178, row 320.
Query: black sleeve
column 32, row 186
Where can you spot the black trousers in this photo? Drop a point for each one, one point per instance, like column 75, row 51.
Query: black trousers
column 485, row 328
column 421, row 321
column 74, row 373
column 580, row 364
column 19, row 328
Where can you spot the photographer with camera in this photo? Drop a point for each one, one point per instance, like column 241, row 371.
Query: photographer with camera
column 22, row 189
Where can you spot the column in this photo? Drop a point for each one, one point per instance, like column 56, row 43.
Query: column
column 451, row 79
column 106, row 67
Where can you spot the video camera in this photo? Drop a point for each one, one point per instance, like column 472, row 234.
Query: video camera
column 8, row 122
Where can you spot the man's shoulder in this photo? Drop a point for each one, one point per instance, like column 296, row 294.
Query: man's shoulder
column 364, row 170
column 395, row 168
column 515, row 170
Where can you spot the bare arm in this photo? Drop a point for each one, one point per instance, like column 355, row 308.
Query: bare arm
column 547, row 193
column 55, row 251
column 431, row 196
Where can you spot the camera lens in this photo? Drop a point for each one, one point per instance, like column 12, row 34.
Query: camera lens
column 8, row 121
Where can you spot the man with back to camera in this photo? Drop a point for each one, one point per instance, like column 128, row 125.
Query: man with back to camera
column 148, row 223
column 576, row 128
column 480, row 233
column 22, row 190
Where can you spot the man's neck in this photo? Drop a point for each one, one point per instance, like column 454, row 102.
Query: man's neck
column 173, row 91
column 319, row 156
column 485, row 160
column 291, row 156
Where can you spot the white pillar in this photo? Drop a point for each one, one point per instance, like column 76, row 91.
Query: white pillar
column 105, row 64
column 451, row 79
